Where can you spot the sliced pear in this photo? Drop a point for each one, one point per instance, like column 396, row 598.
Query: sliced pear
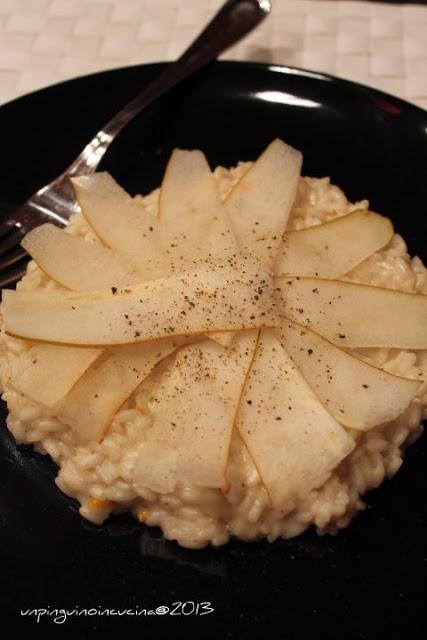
column 193, row 415
column 155, row 248
column 77, row 264
column 122, row 223
column 356, row 315
column 332, row 249
column 190, row 205
column 212, row 298
column 46, row 372
column 294, row 442
column 91, row 405
column 358, row 395
column 260, row 203
column 189, row 190
column 224, row 338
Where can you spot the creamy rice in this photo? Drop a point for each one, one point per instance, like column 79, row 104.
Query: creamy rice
column 99, row 475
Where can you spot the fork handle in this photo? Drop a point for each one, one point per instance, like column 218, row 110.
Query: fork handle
column 233, row 21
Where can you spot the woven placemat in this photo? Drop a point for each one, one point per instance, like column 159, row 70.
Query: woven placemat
column 46, row 41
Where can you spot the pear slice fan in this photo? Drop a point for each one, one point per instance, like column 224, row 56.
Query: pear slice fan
column 279, row 368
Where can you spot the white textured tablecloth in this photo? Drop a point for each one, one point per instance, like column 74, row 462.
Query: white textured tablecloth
column 45, row 41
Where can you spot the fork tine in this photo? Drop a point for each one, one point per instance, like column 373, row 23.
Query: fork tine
column 10, row 240
column 12, row 276
column 12, row 258
column 5, row 227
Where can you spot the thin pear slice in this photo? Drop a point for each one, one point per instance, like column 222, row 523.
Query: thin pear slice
column 189, row 190
column 260, row 203
column 193, row 415
column 332, row 249
column 191, row 204
column 358, row 395
column 224, row 338
column 156, row 248
column 294, row 442
column 92, row 403
column 356, row 315
column 122, row 223
column 77, row 264
column 46, row 372
column 213, row 298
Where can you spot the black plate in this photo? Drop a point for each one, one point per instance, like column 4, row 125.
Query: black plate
column 367, row 582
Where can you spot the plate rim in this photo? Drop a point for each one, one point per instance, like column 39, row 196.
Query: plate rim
column 259, row 66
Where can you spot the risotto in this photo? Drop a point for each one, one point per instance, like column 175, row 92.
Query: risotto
column 100, row 473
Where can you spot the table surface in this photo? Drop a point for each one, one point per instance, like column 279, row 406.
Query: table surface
column 379, row 44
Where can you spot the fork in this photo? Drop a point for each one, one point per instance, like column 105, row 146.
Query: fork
column 55, row 202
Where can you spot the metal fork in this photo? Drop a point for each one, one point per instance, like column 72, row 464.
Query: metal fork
column 56, row 201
